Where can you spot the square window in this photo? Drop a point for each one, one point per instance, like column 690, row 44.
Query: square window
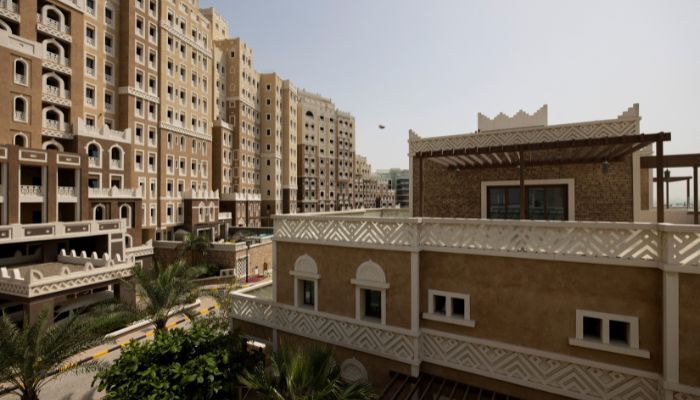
column 619, row 332
column 373, row 303
column 457, row 307
column 440, row 304
column 592, row 328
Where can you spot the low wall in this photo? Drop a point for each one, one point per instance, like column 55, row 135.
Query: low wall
column 223, row 255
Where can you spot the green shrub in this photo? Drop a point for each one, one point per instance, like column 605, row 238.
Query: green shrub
column 197, row 363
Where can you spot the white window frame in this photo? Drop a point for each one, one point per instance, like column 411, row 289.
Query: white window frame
column 305, row 269
column 570, row 189
column 362, row 281
column 464, row 320
column 604, row 344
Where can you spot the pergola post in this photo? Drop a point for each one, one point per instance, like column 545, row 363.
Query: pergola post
column 695, row 194
column 659, row 181
column 522, row 184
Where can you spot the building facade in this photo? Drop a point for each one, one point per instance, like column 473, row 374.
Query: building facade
column 570, row 294
column 371, row 190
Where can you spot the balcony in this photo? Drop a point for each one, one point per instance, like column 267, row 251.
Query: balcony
column 57, row 129
column 114, row 192
column 56, row 62
column 31, row 194
column 94, row 162
column 54, row 28
column 10, row 10
column 90, row 101
column 90, row 10
column 90, row 41
column 90, row 71
column 20, row 116
column 54, row 95
column 67, row 194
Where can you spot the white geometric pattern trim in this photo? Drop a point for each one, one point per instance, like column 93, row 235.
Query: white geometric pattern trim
column 625, row 124
column 389, row 342
column 546, row 371
column 634, row 244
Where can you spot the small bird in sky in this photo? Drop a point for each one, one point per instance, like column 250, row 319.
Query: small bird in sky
column 381, row 126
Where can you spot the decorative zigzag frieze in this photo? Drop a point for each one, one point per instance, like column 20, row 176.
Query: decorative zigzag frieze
column 552, row 133
column 537, row 371
column 389, row 343
column 390, row 233
column 545, row 371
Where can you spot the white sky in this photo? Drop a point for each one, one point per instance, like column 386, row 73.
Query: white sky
column 432, row 66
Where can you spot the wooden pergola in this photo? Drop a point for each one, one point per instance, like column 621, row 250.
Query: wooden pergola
column 576, row 151
column 675, row 161
column 428, row 387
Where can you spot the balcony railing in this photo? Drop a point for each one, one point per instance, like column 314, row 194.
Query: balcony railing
column 116, row 164
column 9, row 6
column 20, row 116
column 94, row 162
column 67, row 191
column 56, row 91
column 90, row 101
column 90, row 71
column 21, row 79
column 53, row 24
column 56, row 58
column 90, row 10
column 56, row 125
column 90, row 41
column 114, row 192
column 638, row 244
column 30, row 190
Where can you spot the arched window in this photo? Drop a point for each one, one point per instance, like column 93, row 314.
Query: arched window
column 116, row 154
column 53, row 118
column 54, row 84
column 125, row 213
column 54, row 51
column 93, row 152
column 99, row 212
column 370, row 292
column 306, row 278
column 21, row 72
column 52, row 144
column 52, row 15
column 21, row 109
column 128, row 241
column 20, row 140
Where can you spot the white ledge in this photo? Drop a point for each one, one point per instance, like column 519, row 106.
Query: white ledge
column 612, row 348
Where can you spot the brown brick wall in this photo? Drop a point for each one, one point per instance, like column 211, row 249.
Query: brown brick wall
column 447, row 193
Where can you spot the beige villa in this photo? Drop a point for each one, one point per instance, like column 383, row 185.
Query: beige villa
column 532, row 264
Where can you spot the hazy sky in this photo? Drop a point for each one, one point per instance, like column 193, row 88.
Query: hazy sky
column 433, row 65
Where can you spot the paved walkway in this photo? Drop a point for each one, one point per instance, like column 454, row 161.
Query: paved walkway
column 71, row 386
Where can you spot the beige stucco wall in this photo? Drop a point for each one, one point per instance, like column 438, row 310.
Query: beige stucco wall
column 337, row 266
column 533, row 303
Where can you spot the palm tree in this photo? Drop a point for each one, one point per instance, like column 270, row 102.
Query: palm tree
column 296, row 374
column 164, row 287
column 37, row 353
column 196, row 245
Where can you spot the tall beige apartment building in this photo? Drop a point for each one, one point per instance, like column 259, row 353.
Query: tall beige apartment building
column 179, row 131
column 326, row 155
column 133, row 121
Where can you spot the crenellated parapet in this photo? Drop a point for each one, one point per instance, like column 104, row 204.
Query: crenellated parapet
column 521, row 119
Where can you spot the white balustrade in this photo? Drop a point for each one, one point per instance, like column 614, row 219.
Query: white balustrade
column 115, row 163
column 68, row 191
column 9, row 5
column 20, row 116
column 53, row 24
column 642, row 244
column 90, row 41
column 30, row 190
column 21, row 79
column 94, row 162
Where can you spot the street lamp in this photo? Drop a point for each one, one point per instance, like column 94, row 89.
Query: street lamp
column 247, row 258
